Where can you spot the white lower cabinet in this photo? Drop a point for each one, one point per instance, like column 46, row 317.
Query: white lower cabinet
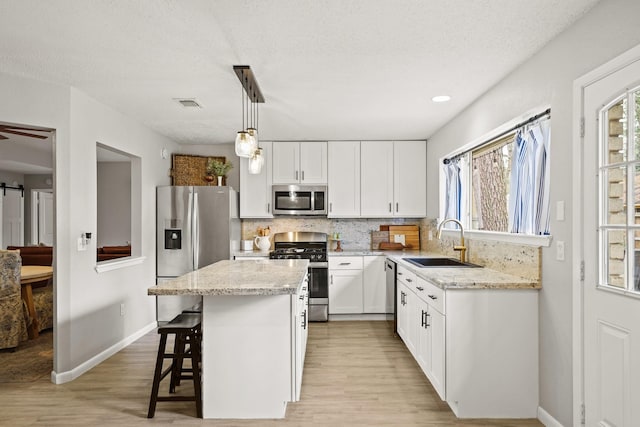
column 430, row 346
column 345, row 285
column 477, row 347
column 376, row 299
column 358, row 285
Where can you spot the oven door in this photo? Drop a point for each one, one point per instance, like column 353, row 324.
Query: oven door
column 318, row 292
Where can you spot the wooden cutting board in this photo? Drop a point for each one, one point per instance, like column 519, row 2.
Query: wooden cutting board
column 378, row 237
column 411, row 235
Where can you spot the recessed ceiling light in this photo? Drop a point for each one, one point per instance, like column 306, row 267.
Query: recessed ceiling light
column 188, row 102
column 441, row 98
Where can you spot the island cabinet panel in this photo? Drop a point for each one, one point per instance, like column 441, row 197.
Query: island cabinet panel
column 252, row 356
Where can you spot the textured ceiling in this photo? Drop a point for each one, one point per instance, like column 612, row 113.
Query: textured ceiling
column 329, row 69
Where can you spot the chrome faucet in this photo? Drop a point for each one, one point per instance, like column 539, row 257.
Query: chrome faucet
column 461, row 247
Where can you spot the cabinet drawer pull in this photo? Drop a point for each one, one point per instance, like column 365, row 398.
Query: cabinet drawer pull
column 420, row 288
column 422, row 320
column 409, row 280
column 426, row 322
column 345, row 263
column 433, row 297
column 399, row 273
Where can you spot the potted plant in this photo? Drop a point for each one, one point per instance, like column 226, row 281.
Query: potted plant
column 217, row 168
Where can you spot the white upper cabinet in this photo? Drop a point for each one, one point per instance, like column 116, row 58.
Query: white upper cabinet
column 299, row 162
column 255, row 190
column 376, row 166
column 344, row 179
column 394, row 178
column 410, row 178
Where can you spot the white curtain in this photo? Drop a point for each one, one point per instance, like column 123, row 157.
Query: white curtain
column 453, row 190
column 529, row 192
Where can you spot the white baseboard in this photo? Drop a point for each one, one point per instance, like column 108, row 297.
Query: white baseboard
column 545, row 418
column 65, row 377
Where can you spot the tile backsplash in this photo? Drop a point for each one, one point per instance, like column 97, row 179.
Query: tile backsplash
column 354, row 233
column 519, row 260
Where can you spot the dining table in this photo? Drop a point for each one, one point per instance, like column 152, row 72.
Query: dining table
column 33, row 276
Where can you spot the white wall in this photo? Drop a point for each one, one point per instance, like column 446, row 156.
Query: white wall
column 547, row 78
column 87, row 308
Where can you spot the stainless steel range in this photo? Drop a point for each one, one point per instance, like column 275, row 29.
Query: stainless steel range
column 311, row 246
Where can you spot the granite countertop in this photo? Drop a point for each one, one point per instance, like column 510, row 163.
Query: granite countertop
column 253, row 253
column 240, row 277
column 450, row 277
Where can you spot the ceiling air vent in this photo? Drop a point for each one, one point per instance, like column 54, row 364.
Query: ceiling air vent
column 188, row 103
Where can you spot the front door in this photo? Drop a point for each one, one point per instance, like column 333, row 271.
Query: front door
column 611, row 233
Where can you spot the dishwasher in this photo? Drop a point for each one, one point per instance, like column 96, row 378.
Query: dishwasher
column 390, row 268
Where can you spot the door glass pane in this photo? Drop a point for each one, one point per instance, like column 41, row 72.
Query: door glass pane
column 616, row 135
column 636, row 260
column 615, row 195
column 615, row 251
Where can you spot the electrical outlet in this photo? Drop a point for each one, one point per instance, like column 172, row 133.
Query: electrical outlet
column 560, row 250
column 122, row 310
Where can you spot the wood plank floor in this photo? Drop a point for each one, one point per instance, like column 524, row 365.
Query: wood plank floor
column 356, row 374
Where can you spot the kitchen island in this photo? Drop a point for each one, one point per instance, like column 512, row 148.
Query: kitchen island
column 254, row 326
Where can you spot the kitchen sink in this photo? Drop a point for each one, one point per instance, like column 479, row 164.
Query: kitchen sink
column 438, row 262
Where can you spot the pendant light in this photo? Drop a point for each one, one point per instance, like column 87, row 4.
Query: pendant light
column 245, row 144
column 256, row 162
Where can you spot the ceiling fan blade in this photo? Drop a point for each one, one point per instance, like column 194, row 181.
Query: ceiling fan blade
column 3, row 137
column 15, row 132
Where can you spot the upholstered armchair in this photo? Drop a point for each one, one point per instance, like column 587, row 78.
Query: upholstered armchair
column 12, row 324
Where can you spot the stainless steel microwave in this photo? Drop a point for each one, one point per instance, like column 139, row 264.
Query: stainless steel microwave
column 299, row 200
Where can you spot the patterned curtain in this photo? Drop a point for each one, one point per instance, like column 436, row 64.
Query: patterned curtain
column 489, row 191
column 529, row 195
column 453, row 189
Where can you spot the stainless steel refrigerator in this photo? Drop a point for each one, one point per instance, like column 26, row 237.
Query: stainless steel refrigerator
column 196, row 226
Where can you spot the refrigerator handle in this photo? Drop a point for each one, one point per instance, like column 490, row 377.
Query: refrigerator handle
column 195, row 239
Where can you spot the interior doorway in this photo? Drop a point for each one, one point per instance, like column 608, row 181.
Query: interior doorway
column 27, row 159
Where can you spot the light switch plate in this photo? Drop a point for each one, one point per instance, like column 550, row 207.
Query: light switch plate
column 560, row 250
